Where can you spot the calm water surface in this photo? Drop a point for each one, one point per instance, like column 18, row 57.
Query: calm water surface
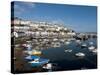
column 68, row 60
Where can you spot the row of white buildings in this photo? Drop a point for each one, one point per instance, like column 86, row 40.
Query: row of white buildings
column 36, row 29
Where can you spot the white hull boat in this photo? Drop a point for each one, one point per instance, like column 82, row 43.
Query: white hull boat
column 91, row 48
column 80, row 54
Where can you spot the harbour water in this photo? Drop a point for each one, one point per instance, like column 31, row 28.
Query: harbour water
column 67, row 60
column 60, row 58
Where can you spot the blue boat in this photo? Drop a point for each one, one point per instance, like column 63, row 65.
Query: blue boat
column 36, row 61
column 32, row 57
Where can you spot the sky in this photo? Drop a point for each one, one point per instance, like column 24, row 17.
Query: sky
column 79, row 18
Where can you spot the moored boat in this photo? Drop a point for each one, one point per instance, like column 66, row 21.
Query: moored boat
column 78, row 41
column 34, row 52
column 67, row 42
column 83, row 45
column 36, row 61
column 48, row 66
column 94, row 51
column 80, row 54
column 68, row 50
column 32, row 57
column 91, row 48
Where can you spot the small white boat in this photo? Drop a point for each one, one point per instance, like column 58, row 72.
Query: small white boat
column 17, row 45
column 94, row 51
column 78, row 41
column 68, row 50
column 67, row 42
column 80, row 54
column 91, row 48
column 47, row 66
column 84, row 45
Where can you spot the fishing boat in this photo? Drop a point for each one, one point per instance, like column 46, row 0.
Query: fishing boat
column 80, row 54
column 36, row 61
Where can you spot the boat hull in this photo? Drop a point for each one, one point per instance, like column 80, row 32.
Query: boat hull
column 40, row 63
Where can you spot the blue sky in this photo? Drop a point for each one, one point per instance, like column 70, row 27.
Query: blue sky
column 78, row 18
